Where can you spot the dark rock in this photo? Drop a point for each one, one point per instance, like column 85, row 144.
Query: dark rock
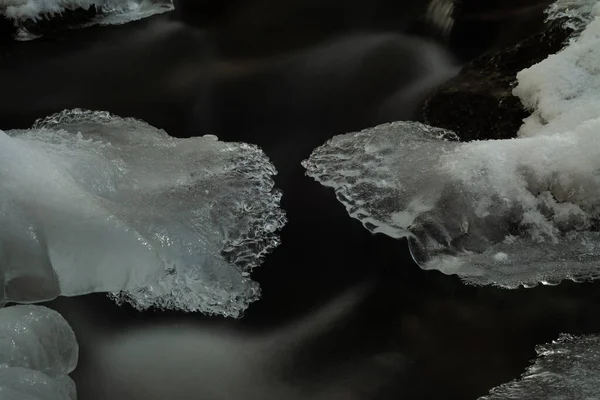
column 478, row 103
column 494, row 24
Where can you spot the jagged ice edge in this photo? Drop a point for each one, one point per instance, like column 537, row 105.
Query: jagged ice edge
column 249, row 247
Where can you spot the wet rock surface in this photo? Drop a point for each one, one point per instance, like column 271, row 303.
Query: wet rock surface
column 478, row 103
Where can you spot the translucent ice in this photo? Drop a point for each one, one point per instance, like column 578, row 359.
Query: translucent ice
column 566, row 369
column 463, row 203
column 90, row 202
column 38, row 350
column 110, row 12
column 502, row 212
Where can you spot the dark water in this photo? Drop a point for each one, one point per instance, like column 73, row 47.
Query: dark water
column 288, row 75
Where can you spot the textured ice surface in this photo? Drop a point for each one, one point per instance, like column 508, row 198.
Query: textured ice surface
column 576, row 14
column 90, row 202
column 502, row 212
column 566, row 369
column 110, row 12
column 37, row 351
column 464, row 203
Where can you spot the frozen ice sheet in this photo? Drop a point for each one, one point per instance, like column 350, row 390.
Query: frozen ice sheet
column 502, row 212
column 566, row 369
column 91, row 202
column 506, row 213
column 38, row 350
column 110, row 12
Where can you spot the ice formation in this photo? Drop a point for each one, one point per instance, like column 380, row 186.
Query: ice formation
column 566, row 369
column 502, row 212
column 110, row 12
column 574, row 14
column 38, row 350
column 91, row 202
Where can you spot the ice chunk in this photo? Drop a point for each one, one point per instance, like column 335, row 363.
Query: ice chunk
column 38, row 350
column 90, row 202
column 109, row 12
column 502, row 212
column 366, row 169
column 566, row 369
column 534, row 200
